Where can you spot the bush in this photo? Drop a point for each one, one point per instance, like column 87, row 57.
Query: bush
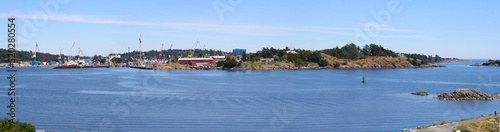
column 336, row 65
column 322, row 62
column 443, row 122
column 229, row 63
column 300, row 63
column 17, row 126
column 434, row 123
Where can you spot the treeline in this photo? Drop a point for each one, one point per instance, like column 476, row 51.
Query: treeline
column 353, row 52
column 300, row 58
column 27, row 56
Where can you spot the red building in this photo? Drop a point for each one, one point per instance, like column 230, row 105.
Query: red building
column 196, row 61
column 237, row 57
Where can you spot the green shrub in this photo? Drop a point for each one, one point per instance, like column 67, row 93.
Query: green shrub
column 434, row 123
column 322, row 62
column 482, row 115
column 443, row 122
column 497, row 119
column 336, row 65
column 17, row 126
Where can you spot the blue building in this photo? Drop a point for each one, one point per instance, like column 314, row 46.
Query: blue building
column 239, row 51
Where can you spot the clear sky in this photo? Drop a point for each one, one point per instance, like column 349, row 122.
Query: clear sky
column 449, row 28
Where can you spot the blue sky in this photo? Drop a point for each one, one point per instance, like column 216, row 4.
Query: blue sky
column 450, row 28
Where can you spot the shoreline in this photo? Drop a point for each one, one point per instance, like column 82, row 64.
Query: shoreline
column 271, row 68
column 449, row 126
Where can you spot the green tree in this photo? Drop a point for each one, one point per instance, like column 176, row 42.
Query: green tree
column 17, row 126
column 336, row 65
column 244, row 56
column 322, row 62
column 229, row 63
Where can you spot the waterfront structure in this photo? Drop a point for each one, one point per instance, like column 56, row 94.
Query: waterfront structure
column 197, row 61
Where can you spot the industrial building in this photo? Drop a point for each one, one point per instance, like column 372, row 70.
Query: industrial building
column 197, row 61
column 239, row 51
column 218, row 58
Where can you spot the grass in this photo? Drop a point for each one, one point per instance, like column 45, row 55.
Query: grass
column 463, row 127
column 474, row 124
column 489, row 124
column 312, row 64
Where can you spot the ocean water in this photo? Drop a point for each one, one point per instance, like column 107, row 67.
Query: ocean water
column 132, row 100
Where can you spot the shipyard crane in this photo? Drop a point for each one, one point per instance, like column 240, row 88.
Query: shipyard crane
column 80, row 53
column 60, row 62
column 224, row 54
column 191, row 51
column 159, row 57
column 169, row 57
column 114, row 63
column 34, row 55
column 140, row 51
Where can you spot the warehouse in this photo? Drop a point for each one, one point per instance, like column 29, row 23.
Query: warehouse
column 196, row 61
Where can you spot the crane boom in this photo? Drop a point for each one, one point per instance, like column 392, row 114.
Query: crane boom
column 159, row 57
column 224, row 54
column 191, row 52
column 60, row 62
column 140, row 50
column 114, row 63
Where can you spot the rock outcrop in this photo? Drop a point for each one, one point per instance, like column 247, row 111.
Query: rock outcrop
column 477, row 64
column 467, row 94
column 420, row 93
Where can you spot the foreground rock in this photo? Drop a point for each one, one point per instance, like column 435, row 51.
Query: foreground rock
column 420, row 93
column 467, row 94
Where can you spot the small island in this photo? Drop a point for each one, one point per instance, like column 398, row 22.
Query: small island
column 467, row 94
column 489, row 63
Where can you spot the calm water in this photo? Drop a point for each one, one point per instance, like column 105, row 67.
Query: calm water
column 131, row 100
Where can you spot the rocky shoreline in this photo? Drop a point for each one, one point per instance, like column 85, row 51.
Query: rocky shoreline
column 461, row 94
column 373, row 67
column 420, row 93
column 467, row 94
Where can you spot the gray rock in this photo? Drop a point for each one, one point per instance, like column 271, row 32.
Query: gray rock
column 420, row 93
column 467, row 94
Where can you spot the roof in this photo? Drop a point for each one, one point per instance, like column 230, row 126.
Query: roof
column 218, row 57
column 195, row 59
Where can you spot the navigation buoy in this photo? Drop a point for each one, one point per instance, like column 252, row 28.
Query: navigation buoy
column 363, row 80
